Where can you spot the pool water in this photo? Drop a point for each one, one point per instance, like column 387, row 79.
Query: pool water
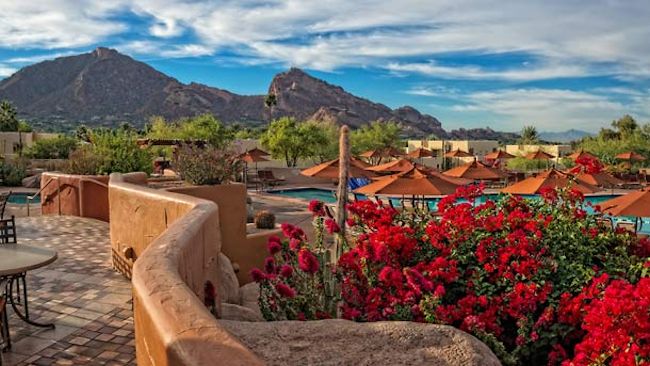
column 327, row 196
column 308, row 194
column 20, row 198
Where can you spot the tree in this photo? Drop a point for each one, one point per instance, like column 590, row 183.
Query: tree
column 8, row 120
column 325, row 140
column 376, row 135
column 204, row 127
column 82, row 133
column 286, row 139
column 23, row 126
column 270, row 101
column 529, row 136
column 625, row 125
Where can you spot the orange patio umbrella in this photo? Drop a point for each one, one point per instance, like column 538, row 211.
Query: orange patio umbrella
column 476, row 171
column 635, row 204
column 630, row 156
column 580, row 154
column 395, row 166
column 602, row 179
column 420, row 153
column 371, row 154
column 330, row 169
column 549, row 179
column 458, row 153
column 539, row 155
column 414, row 182
column 454, row 180
column 499, row 155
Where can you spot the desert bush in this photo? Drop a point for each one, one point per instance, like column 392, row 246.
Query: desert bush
column 54, row 148
column 205, row 165
column 13, row 172
column 84, row 161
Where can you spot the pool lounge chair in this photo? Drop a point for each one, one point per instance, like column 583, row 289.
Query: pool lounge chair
column 266, row 177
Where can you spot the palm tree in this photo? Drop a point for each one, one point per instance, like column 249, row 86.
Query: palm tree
column 271, row 101
column 529, row 136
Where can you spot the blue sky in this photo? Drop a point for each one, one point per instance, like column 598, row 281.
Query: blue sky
column 556, row 64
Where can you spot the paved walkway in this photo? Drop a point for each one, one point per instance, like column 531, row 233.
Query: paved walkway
column 89, row 302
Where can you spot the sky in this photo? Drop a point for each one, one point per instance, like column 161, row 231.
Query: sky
column 504, row 64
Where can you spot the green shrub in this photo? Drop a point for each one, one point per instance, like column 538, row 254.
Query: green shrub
column 13, row 172
column 119, row 152
column 54, row 148
column 206, row 165
column 84, row 161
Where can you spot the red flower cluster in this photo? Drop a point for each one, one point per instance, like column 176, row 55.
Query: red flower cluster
column 589, row 165
column 615, row 319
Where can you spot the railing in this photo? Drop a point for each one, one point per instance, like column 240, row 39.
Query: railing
column 58, row 193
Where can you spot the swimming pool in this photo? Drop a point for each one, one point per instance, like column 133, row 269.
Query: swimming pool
column 20, row 198
column 327, row 196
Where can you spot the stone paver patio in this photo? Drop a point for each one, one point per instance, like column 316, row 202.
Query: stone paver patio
column 89, row 302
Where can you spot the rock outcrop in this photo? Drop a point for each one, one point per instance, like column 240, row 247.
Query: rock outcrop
column 342, row 342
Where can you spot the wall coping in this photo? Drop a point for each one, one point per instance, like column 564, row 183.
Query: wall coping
column 190, row 333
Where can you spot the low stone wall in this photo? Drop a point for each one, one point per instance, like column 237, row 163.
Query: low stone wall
column 247, row 251
column 176, row 239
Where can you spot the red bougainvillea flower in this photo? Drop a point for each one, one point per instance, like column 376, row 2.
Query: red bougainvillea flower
column 332, row 226
column 307, row 261
column 257, row 275
column 317, row 208
column 286, row 271
column 285, row 290
column 269, row 265
column 274, row 245
column 292, row 231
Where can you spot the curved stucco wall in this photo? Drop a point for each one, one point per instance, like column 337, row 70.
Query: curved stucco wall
column 75, row 195
column 248, row 251
column 176, row 239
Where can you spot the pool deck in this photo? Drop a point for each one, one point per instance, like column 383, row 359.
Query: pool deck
column 89, row 302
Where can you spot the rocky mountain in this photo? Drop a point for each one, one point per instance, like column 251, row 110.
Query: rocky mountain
column 105, row 87
column 564, row 136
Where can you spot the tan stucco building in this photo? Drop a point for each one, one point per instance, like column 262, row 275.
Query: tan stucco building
column 10, row 141
column 478, row 148
column 559, row 151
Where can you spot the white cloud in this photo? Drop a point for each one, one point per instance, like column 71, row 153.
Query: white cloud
column 163, row 49
column 476, row 73
column 57, row 23
column 569, row 38
column 6, row 71
column 551, row 109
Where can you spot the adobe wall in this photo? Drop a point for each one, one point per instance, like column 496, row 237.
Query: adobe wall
column 248, row 251
column 177, row 240
column 80, row 195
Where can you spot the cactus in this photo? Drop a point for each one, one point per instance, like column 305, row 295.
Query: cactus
column 265, row 220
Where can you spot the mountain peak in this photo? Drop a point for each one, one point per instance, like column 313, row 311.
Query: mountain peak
column 104, row 52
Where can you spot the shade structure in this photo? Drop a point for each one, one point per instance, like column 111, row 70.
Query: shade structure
column 454, row 180
column 476, row 171
column 252, row 157
column 458, row 153
column 630, row 156
column 414, row 182
column 395, row 166
column 549, row 179
column 581, row 154
column 330, row 169
column 602, row 179
column 370, row 154
column 499, row 154
column 539, row 155
column 635, row 204
column 258, row 152
column 420, row 153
